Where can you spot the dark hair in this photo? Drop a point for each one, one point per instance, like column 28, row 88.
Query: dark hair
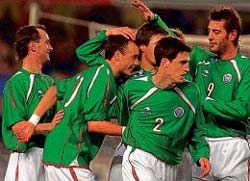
column 169, row 48
column 115, row 43
column 230, row 16
column 24, row 36
column 146, row 31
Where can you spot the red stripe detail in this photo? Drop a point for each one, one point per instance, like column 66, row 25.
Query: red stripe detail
column 17, row 168
column 73, row 174
column 65, row 166
column 133, row 170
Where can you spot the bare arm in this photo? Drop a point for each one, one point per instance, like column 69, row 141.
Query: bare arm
column 48, row 100
column 105, row 127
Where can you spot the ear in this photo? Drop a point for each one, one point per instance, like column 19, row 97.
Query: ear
column 165, row 62
column 32, row 46
column 232, row 35
column 117, row 56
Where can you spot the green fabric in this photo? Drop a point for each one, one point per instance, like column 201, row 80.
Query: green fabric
column 163, row 123
column 227, row 114
column 84, row 97
column 227, row 108
column 89, row 52
column 21, row 95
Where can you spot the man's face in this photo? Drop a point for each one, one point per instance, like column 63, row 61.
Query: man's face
column 178, row 67
column 149, row 50
column 129, row 59
column 43, row 46
column 217, row 36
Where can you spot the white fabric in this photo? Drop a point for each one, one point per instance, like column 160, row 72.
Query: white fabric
column 25, row 166
column 147, row 167
column 229, row 159
column 116, row 165
column 58, row 173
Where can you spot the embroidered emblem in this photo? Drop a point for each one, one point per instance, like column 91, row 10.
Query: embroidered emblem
column 178, row 112
column 227, row 78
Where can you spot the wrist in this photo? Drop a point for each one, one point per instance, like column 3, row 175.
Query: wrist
column 34, row 119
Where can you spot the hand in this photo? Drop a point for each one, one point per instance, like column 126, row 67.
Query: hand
column 23, row 130
column 57, row 118
column 124, row 31
column 144, row 10
column 205, row 166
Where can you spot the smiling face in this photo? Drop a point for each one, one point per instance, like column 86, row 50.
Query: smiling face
column 43, row 46
column 217, row 36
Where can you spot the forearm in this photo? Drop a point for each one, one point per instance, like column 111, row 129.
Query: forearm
column 159, row 22
column 232, row 111
column 48, row 100
column 105, row 127
column 89, row 52
column 43, row 127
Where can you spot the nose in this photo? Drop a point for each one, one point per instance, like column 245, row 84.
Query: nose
column 186, row 68
column 50, row 47
column 136, row 62
column 210, row 35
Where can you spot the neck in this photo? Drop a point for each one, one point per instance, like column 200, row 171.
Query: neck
column 163, row 81
column 114, row 68
column 229, row 53
column 146, row 64
column 32, row 65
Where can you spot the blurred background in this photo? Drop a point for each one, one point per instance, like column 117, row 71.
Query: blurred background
column 71, row 22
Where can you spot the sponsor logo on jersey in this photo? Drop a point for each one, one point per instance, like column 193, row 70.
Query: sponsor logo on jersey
column 227, row 78
column 40, row 93
column 178, row 112
column 147, row 110
column 205, row 73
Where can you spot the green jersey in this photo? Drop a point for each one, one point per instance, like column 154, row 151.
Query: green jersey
column 85, row 97
column 162, row 122
column 22, row 93
column 224, row 86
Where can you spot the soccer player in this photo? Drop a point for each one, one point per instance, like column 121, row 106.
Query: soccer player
column 224, row 69
column 87, row 100
column 22, row 93
column 164, row 116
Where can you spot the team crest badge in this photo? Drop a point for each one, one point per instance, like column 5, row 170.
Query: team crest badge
column 227, row 78
column 178, row 112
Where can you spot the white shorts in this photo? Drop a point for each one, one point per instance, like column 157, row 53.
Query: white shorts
column 116, row 165
column 26, row 166
column 229, row 158
column 68, row 173
column 143, row 166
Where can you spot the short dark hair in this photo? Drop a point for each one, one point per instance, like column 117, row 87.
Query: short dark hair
column 115, row 43
column 145, row 33
column 169, row 48
column 24, row 36
column 230, row 16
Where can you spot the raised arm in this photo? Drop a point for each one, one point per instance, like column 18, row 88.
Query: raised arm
column 151, row 17
column 90, row 51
